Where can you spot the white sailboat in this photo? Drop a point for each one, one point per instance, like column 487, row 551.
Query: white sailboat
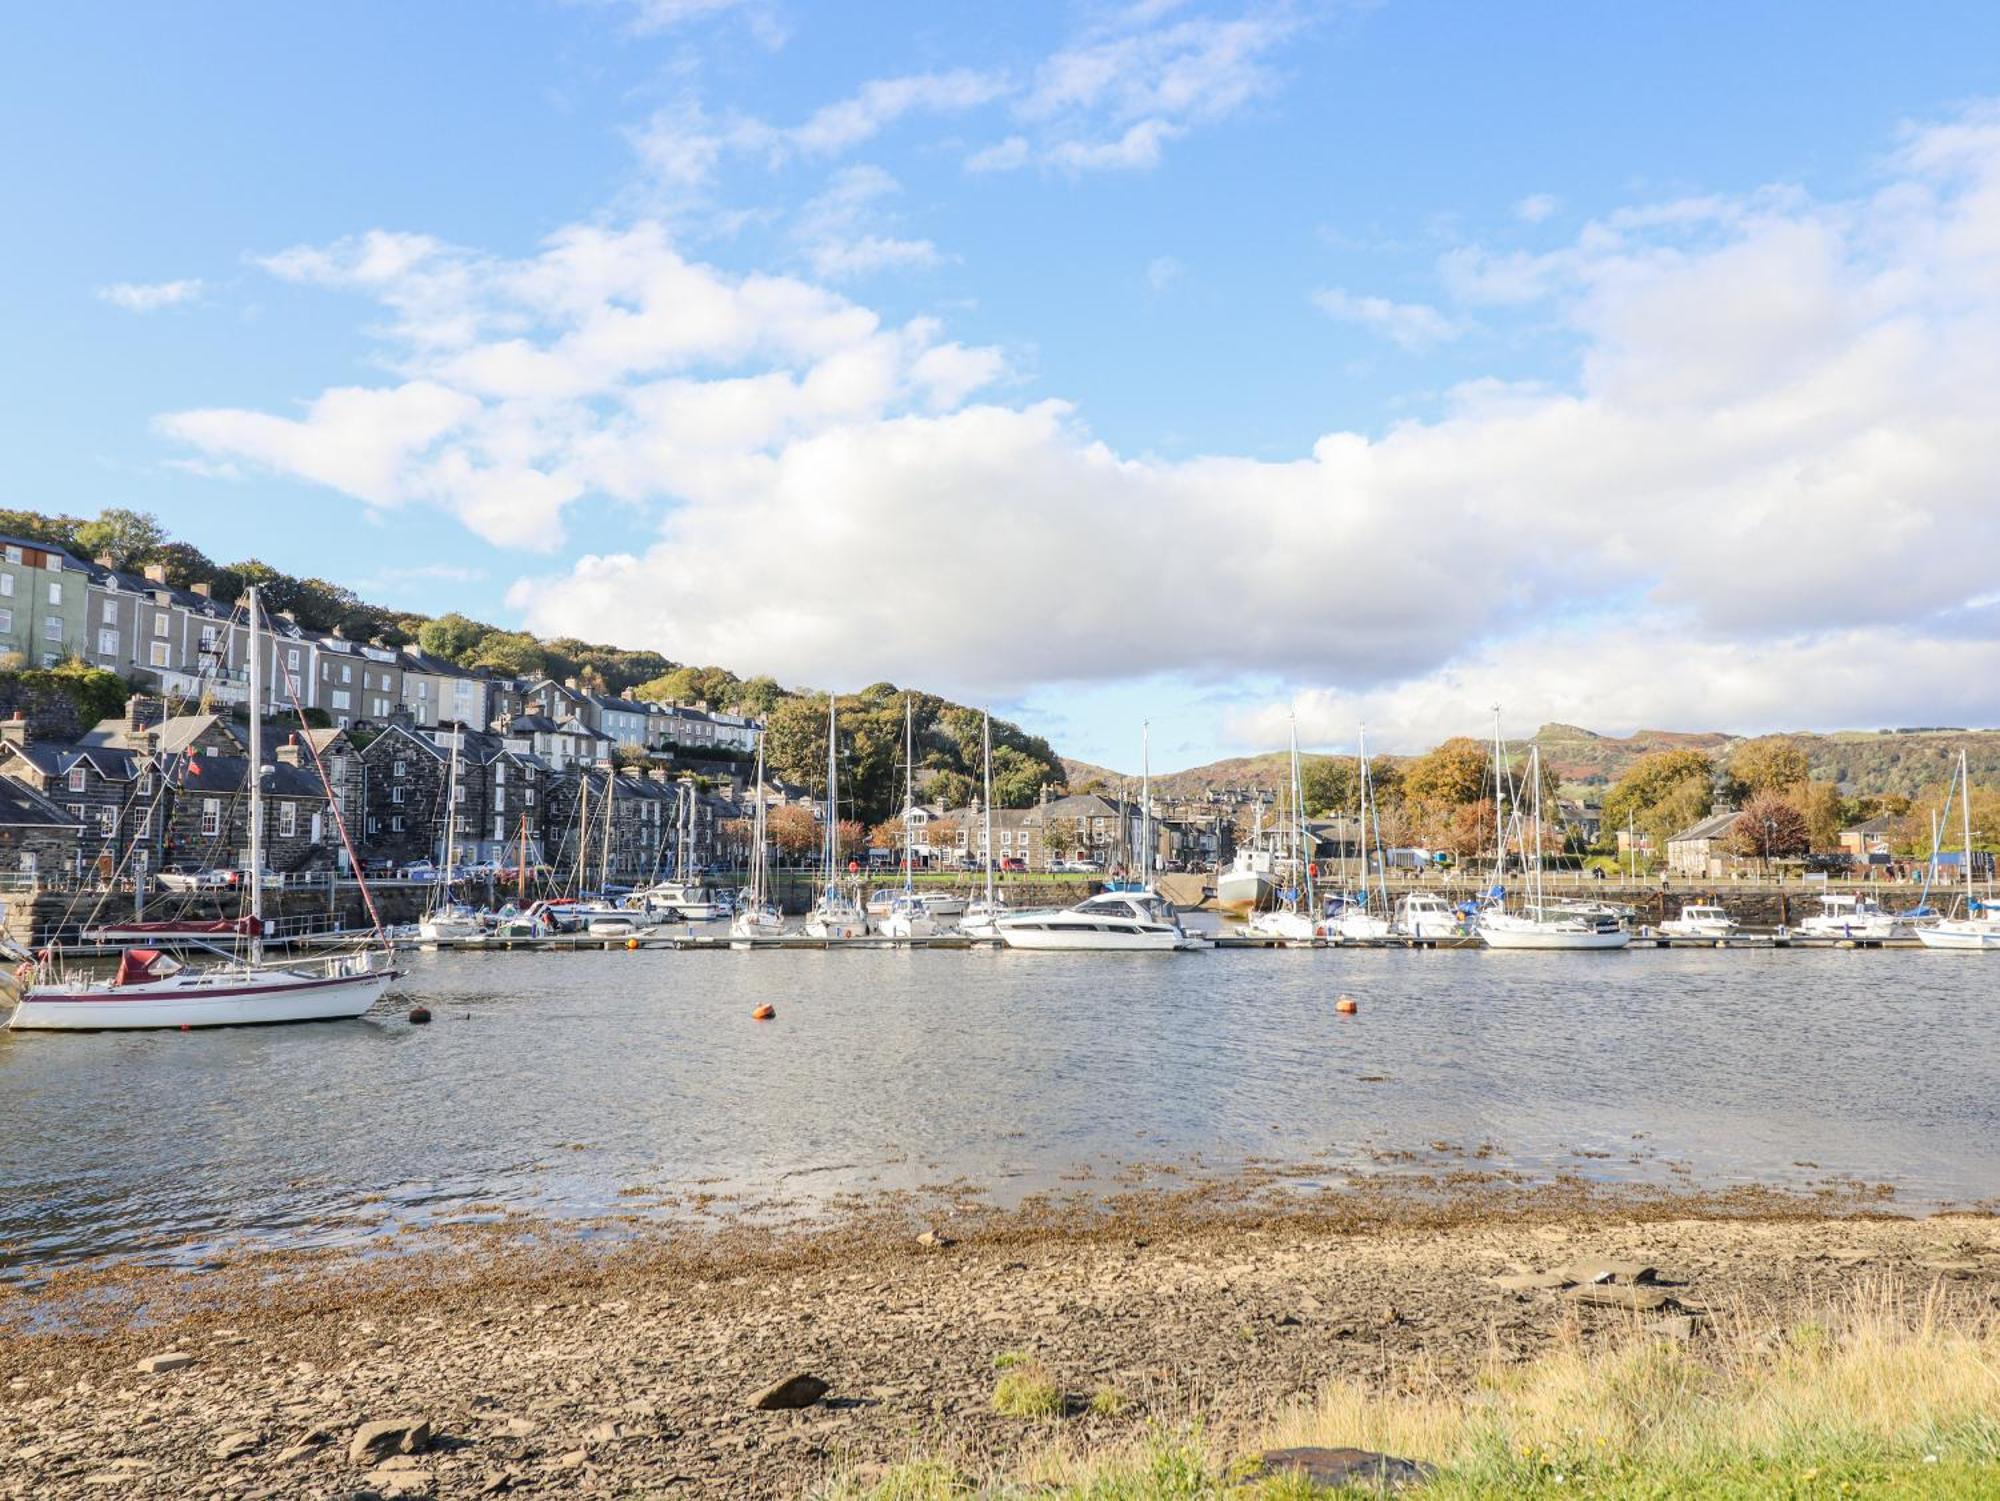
column 150, row 989
column 1292, row 920
column 445, row 918
column 685, row 892
column 757, row 916
column 1539, row 925
column 909, row 914
column 1979, row 930
column 836, row 914
column 980, row 915
column 1358, row 919
column 1140, row 921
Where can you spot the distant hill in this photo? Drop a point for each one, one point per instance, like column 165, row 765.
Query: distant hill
column 1862, row 761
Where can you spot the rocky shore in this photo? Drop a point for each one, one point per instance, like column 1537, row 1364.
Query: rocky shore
column 665, row 1367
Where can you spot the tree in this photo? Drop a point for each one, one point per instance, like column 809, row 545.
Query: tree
column 1060, row 838
column 453, row 636
column 1769, row 764
column 125, row 537
column 850, row 837
column 886, row 835
column 515, row 653
column 793, row 830
column 950, row 789
column 1331, row 784
column 1769, row 827
column 1661, row 794
column 1452, row 775
column 1826, row 812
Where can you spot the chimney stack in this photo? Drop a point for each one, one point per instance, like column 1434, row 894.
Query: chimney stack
column 14, row 731
column 156, row 572
column 205, row 589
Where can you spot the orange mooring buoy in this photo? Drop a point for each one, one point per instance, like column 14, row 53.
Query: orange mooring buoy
column 1347, row 1005
column 764, row 1013
column 631, row 943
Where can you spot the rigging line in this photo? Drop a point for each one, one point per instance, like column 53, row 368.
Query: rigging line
column 332, row 803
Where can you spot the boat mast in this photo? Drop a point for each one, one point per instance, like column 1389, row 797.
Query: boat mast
column 1146, row 806
column 986, row 737
column 450, row 823
column 521, row 875
column 256, row 785
column 832, row 792
column 583, row 830
column 1965, row 813
column 1499, row 803
column 757, row 832
column 909, row 802
column 1371, row 825
column 604, row 853
column 1535, row 803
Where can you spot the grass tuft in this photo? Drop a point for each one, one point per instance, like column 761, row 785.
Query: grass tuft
column 1027, row 1390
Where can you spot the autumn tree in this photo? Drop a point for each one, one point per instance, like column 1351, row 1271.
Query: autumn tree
column 1769, row 827
column 1329, row 784
column 1449, row 777
column 1770, row 763
column 793, row 830
column 127, row 538
column 1060, row 838
column 1662, row 793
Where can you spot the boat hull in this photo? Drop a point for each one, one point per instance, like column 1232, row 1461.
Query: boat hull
column 1540, row 936
column 1289, row 927
column 1964, row 937
column 1052, row 936
column 140, row 1008
column 1241, row 891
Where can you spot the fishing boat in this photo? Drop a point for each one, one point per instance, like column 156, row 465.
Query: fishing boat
column 909, row 915
column 152, row 989
column 1251, row 882
column 1978, row 931
column 1138, row 921
column 1700, row 920
column 756, row 915
column 446, row 919
column 836, row 914
column 1539, row 924
column 980, row 915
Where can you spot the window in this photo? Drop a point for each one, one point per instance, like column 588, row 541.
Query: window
column 159, row 654
column 396, row 824
column 13, row 556
column 528, row 798
column 55, row 593
column 288, row 820
column 500, row 775
column 146, row 782
column 161, row 625
column 109, row 614
column 339, row 698
column 423, row 688
column 292, row 659
column 52, row 628
column 77, row 775
column 458, row 793
column 374, row 826
column 402, row 768
column 6, row 617
column 208, row 638
column 76, row 811
column 107, row 820
column 499, row 800
column 211, row 816
column 346, row 673
column 107, row 643
column 396, row 794
column 460, row 825
column 144, row 828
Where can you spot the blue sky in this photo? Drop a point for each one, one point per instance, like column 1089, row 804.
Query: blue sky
column 1326, row 294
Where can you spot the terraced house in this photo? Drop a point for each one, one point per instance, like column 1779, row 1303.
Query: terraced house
column 403, row 798
column 42, row 602
column 208, row 820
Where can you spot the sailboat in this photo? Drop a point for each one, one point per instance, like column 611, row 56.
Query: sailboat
column 909, row 915
column 1135, row 921
column 836, row 914
column 1290, row 921
column 980, row 915
column 446, row 919
column 685, row 892
column 757, row 916
column 1356, row 919
column 1539, row 925
column 150, row 989
column 1979, row 929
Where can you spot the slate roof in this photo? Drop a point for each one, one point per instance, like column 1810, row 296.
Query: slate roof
column 23, row 807
column 1715, row 826
column 228, row 774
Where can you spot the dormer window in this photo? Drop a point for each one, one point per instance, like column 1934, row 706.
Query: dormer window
column 77, row 775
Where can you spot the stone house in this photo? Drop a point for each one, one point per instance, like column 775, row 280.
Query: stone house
column 436, row 691
column 640, row 824
column 1700, row 852
column 403, row 796
column 37, row 836
column 356, row 682
column 560, row 743
column 110, row 795
column 208, row 818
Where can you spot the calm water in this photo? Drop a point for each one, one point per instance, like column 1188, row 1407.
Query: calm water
column 551, row 1082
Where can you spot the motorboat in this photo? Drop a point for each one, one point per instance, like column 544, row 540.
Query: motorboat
column 1287, row 924
column 1427, row 916
column 1855, row 916
column 910, row 916
column 1250, row 882
column 613, row 925
column 881, row 900
column 1113, row 921
column 692, row 900
column 1698, row 920
column 947, row 903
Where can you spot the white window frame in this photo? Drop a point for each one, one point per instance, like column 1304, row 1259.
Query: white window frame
column 211, row 817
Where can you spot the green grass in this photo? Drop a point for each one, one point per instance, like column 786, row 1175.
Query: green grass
column 1884, row 1394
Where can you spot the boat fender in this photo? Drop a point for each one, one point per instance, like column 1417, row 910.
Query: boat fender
column 764, row 1013
column 420, row 1016
column 1347, row 1005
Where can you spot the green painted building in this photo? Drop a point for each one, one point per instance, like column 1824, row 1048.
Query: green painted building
column 44, row 603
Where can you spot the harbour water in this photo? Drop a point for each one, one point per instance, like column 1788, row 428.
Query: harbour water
column 585, row 1085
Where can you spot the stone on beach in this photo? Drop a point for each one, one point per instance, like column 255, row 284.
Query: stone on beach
column 233, row 1446
column 375, row 1441
column 1360, row 1468
column 794, row 1391
column 1620, row 1295
column 1523, row 1282
column 1630, row 1272
column 159, row 1365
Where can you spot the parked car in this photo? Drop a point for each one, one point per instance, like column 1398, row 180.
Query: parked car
column 195, row 878
column 1013, row 862
column 421, row 870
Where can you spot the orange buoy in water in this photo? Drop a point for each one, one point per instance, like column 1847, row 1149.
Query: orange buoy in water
column 631, row 943
column 1347, row 1005
column 764, row 1013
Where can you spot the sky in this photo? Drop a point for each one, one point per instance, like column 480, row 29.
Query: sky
column 1210, row 365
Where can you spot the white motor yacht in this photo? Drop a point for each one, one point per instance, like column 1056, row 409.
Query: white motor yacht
column 910, row 916
column 1844, row 915
column 1115, row 922
column 1426, row 915
column 694, row 901
column 1698, row 920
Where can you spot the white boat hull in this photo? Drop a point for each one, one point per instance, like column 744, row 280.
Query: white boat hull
column 1677, row 928
column 819, row 925
column 1290, row 927
column 1049, row 932
column 1963, row 936
column 896, row 925
column 1241, row 891
column 1872, row 929
column 240, row 1002
column 945, row 906
column 1523, row 933
column 1362, row 926
column 432, row 929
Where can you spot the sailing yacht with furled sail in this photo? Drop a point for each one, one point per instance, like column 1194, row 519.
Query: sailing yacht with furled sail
column 1359, row 918
column 1538, row 925
column 1979, row 930
column 909, row 915
column 837, row 913
column 980, row 915
column 757, row 916
column 151, row 989
column 1292, row 920
column 445, row 918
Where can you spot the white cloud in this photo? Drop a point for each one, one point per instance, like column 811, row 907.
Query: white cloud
column 1536, row 207
column 1162, row 271
column 150, row 296
column 838, row 233
column 1413, row 325
column 883, row 101
column 1760, row 497
column 647, row 17
column 1001, row 156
